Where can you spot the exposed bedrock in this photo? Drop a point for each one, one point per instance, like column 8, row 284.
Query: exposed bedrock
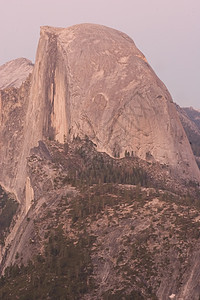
column 90, row 80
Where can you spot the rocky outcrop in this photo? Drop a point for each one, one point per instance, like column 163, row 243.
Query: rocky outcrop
column 15, row 78
column 13, row 110
column 14, row 72
column 141, row 242
column 92, row 80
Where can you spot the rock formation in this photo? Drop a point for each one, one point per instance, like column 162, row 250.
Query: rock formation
column 14, row 72
column 187, row 120
column 92, row 80
column 190, row 119
column 193, row 115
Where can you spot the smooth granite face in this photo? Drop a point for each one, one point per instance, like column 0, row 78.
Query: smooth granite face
column 90, row 80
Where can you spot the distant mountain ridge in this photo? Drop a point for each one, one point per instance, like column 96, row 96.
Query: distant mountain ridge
column 14, row 72
column 193, row 114
column 190, row 119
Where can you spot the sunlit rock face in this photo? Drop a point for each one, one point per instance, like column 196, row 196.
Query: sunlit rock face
column 13, row 112
column 15, row 78
column 90, row 80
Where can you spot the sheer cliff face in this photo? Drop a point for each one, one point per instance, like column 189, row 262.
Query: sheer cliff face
column 92, row 80
column 13, row 111
column 15, row 80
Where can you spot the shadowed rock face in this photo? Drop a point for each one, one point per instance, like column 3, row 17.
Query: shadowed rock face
column 92, row 80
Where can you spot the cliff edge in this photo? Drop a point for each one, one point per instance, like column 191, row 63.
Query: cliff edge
column 90, row 80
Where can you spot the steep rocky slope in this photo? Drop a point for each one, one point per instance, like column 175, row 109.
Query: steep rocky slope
column 106, row 182
column 14, row 72
column 92, row 80
column 190, row 120
column 13, row 111
column 193, row 114
column 101, row 228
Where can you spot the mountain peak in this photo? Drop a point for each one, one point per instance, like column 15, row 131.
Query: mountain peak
column 93, row 150
column 92, row 80
column 89, row 81
column 14, row 72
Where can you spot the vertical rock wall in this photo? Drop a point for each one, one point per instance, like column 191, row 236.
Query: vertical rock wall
column 91, row 80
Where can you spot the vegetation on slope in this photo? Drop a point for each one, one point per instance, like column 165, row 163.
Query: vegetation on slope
column 60, row 273
column 8, row 208
column 110, row 236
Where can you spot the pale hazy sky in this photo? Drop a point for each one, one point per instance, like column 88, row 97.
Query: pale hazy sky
column 166, row 31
